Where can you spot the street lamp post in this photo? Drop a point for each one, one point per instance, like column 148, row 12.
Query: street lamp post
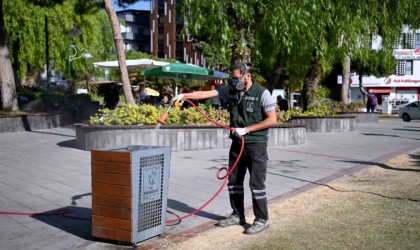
column 70, row 57
column 75, row 55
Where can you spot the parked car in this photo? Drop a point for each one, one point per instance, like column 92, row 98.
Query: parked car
column 410, row 111
column 398, row 103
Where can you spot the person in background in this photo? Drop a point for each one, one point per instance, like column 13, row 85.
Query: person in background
column 142, row 95
column 112, row 96
column 282, row 103
column 252, row 112
column 372, row 101
column 164, row 99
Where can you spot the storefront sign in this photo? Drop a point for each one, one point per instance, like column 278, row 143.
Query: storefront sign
column 409, row 54
column 406, row 80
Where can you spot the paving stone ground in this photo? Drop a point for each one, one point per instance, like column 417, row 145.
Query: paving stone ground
column 41, row 171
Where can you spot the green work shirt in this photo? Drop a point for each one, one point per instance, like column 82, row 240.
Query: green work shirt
column 248, row 110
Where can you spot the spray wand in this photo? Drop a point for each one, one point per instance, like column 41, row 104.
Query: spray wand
column 165, row 114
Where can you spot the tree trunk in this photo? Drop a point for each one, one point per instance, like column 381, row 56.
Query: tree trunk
column 346, row 80
column 7, row 78
column 276, row 76
column 274, row 79
column 128, row 94
column 279, row 72
column 362, row 89
column 311, row 83
column 236, row 49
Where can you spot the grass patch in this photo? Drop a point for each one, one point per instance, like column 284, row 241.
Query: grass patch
column 386, row 116
column 378, row 209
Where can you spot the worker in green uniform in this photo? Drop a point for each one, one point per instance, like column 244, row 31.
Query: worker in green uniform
column 252, row 112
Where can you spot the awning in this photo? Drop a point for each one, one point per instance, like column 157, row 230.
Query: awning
column 132, row 64
column 381, row 90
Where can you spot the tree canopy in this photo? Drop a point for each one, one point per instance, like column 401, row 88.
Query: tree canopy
column 296, row 43
column 25, row 25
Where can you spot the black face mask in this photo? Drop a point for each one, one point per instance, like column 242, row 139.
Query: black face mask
column 236, row 84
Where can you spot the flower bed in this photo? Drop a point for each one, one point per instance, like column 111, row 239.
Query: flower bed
column 179, row 138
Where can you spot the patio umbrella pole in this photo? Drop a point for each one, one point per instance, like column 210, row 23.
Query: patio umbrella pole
column 176, row 85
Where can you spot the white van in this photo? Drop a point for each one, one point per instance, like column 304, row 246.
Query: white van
column 398, row 103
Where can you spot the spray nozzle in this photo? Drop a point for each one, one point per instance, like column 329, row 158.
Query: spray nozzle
column 163, row 117
column 177, row 103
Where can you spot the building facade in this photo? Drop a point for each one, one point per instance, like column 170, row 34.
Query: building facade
column 405, row 83
column 159, row 33
column 136, row 31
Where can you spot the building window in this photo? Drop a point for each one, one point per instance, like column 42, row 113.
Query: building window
column 400, row 67
column 417, row 41
column 409, row 67
column 409, row 41
column 400, row 43
column 404, row 67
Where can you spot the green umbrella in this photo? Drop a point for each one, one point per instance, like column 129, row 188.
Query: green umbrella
column 178, row 71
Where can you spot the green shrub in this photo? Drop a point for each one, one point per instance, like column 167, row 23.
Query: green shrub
column 31, row 93
column 319, row 109
column 350, row 107
column 148, row 115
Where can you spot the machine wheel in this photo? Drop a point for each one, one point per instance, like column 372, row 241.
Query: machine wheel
column 406, row 117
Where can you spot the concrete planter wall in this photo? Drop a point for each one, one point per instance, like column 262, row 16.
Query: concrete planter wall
column 34, row 122
column 362, row 117
column 179, row 138
column 325, row 124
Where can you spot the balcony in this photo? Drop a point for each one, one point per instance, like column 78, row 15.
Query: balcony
column 128, row 35
column 140, row 19
column 135, row 36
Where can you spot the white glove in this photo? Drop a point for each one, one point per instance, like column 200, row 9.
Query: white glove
column 240, row 132
column 178, row 99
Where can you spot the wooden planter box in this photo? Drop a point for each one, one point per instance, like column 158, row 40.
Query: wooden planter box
column 129, row 192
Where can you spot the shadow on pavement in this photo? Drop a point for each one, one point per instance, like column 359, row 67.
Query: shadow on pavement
column 407, row 129
column 416, row 158
column 184, row 208
column 382, row 165
column 72, row 224
column 49, row 133
column 346, row 191
column 372, row 134
column 380, row 135
column 68, row 144
column 25, row 123
column 78, row 197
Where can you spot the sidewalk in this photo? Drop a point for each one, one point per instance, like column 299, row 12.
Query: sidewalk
column 40, row 171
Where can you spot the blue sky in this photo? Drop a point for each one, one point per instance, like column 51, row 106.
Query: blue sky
column 140, row 5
